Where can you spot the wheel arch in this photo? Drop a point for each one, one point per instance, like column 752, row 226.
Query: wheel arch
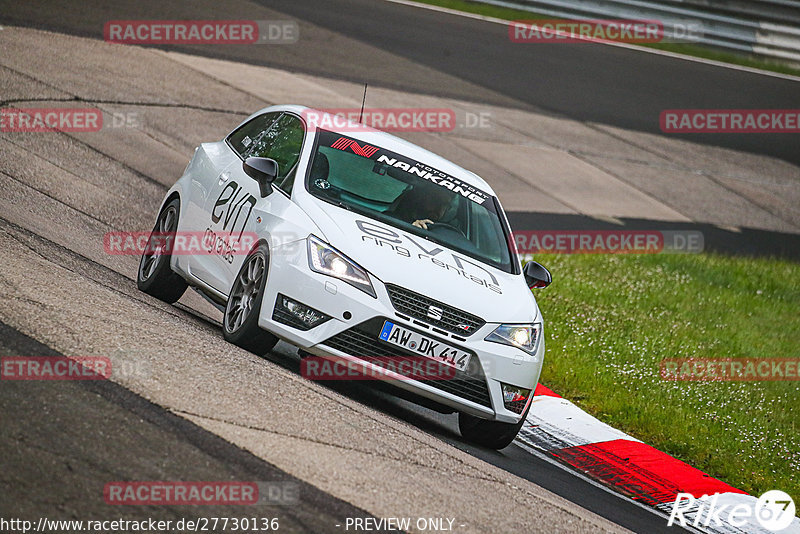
column 172, row 196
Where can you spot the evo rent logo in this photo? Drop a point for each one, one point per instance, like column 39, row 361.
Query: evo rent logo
column 774, row 511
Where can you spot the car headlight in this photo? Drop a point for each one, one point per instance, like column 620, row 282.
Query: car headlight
column 522, row 336
column 324, row 259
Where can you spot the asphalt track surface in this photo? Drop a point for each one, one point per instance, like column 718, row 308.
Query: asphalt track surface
column 446, row 55
column 62, row 441
column 380, row 24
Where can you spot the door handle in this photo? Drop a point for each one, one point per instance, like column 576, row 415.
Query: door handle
column 224, row 177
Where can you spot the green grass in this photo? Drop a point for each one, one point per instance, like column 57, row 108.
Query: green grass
column 694, row 50
column 610, row 320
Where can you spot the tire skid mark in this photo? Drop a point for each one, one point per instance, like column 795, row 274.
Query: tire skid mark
column 403, row 458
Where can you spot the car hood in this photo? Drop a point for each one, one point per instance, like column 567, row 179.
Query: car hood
column 397, row 257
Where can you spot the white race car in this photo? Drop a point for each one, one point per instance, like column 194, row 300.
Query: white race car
column 364, row 249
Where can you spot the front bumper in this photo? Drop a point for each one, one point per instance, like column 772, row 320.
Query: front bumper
column 352, row 332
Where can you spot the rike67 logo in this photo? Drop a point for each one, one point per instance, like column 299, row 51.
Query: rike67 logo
column 773, row 511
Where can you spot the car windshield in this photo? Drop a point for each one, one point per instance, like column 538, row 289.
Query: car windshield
column 411, row 196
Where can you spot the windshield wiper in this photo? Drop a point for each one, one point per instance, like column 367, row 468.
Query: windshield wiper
column 335, row 201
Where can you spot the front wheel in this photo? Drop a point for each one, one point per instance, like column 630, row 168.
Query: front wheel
column 240, row 323
column 489, row 434
column 155, row 277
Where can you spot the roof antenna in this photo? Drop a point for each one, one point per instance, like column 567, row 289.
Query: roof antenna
column 363, row 101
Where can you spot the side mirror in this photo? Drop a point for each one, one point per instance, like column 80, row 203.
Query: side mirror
column 262, row 170
column 536, row 275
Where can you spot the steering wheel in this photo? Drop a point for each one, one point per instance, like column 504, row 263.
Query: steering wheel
column 433, row 227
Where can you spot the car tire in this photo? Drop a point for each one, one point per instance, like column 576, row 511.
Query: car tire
column 155, row 276
column 240, row 322
column 489, row 434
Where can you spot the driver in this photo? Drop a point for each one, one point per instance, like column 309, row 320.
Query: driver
column 422, row 205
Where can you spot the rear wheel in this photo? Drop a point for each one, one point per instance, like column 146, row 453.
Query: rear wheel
column 490, row 434
column 240, row 323
column 155, row 276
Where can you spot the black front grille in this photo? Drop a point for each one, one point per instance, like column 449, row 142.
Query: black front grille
column 362, row 341
column 418, row 306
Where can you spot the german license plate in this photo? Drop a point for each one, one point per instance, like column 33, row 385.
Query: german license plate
column 424, row 346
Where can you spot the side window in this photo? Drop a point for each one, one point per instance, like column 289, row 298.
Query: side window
column 281, row 142
column 242, row 139
column 480, row 232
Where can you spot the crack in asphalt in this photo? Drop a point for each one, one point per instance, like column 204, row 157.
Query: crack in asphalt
column 404, row 459
column 31, row 78
column 312, row 440
column 141, row 103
